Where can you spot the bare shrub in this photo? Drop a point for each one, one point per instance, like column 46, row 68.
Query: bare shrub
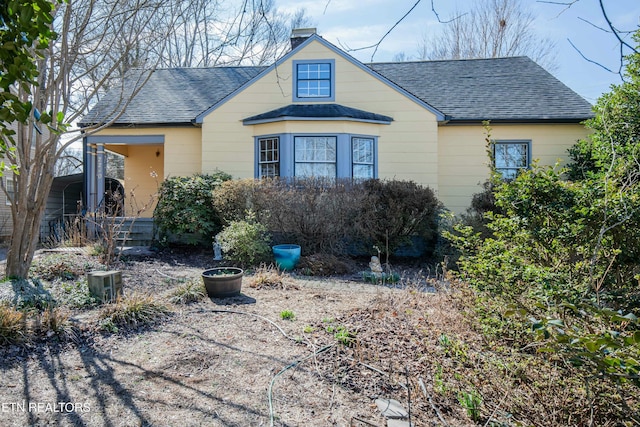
column 72, row 232
column 332, row 216
column 54, row 321
column 395, row 212
column 318, row 214
column 324, row 265
column 233, row 198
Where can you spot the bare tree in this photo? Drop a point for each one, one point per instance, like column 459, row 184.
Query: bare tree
column 609, row 28
column 98, row 42
column 69, row 162
column 492, row 28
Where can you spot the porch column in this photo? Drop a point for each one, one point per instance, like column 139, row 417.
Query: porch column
column 94, row 173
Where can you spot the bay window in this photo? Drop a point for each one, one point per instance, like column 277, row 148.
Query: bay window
column 316, row 155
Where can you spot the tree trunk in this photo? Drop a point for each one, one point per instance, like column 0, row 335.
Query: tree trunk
column 24, row 241
column 35, row 159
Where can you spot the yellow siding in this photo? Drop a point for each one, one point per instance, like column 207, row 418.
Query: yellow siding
column 179, row 156
column 464, row 164
column 143, row 172
column 407, row 148
column 181, row 150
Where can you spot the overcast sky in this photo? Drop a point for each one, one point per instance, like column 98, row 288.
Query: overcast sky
column 353, row 24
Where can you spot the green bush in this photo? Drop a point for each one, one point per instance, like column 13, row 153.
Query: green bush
column 184, row 208
column 75, row 295
column 245, row 241
column 546, row 271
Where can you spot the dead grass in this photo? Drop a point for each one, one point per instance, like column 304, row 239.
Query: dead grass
column 235, row 361
column 269, row 277
column 193, row 290
column 12, row 324
column 133, row 310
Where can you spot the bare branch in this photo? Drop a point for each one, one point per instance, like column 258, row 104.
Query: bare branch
column 589, row 60
column 492, row 28
column 614, row 30
column 376, row 45
column 435, row 12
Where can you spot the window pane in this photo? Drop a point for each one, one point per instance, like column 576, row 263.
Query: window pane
column 362, row 150
column 315, row 149
column 511, row 155
column 269, row 157
column 308, row 170
column 362, row 157
column 269, row 170
column 324, row 71
column 315, row 156
column 510, row 158
column 363, row 171
column 509, row 174
column 8, row 183
column 303, row 71
column 313, row 80
column 314, row 88
column 303, row 88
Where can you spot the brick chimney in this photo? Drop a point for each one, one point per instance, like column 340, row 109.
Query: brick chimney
column 299, row 35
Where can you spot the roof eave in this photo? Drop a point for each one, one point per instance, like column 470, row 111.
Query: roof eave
column 528, row 120
column 314, row 119
column 140, row 124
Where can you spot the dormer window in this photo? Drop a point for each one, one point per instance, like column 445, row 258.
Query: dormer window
column 314, row 80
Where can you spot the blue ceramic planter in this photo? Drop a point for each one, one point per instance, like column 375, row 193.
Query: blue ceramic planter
column 287, row 256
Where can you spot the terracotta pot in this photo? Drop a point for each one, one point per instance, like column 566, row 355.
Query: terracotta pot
column 222, row 282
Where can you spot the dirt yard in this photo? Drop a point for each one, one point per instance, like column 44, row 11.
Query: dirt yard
column 235, row 361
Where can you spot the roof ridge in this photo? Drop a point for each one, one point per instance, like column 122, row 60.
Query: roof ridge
column 213, row 67
column 422, row 61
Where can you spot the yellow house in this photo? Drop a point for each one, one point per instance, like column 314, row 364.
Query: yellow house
column 317, row 111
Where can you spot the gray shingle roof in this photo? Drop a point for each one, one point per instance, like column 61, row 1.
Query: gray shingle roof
column 174, row 95
column 318, row 111
column 500, row 89
column 507, row 89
